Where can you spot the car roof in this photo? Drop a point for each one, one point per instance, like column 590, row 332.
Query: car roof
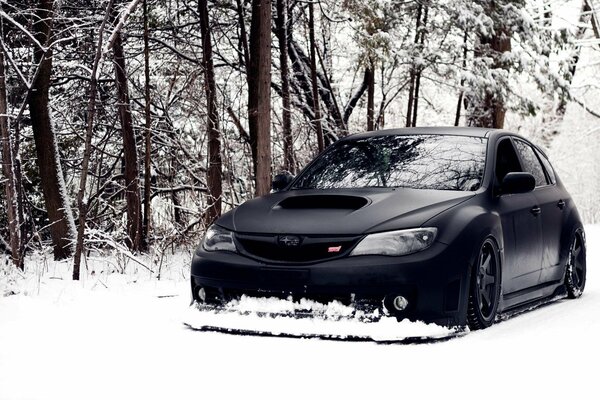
column 444, row 130
column 431, row 130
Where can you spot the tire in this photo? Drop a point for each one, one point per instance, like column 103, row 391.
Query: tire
column 576, row 269
column 485, row 287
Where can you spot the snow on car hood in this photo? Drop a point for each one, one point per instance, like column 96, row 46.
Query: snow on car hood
column 340, row 212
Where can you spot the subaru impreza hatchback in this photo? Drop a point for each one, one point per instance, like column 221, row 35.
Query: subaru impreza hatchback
column 446, row 225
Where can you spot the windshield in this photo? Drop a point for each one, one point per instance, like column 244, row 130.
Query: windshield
column 440, row 162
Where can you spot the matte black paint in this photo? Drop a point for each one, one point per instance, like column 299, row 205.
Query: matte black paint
column 532, row 231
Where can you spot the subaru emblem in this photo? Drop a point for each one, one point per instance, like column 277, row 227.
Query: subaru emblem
column 288, row 241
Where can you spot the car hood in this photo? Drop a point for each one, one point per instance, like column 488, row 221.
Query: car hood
column 340, row 212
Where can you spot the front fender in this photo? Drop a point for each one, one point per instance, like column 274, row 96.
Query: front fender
column 468, row 225
column 465, row 228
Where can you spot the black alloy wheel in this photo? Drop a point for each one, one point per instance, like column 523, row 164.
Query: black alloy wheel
column 484, row 294
column 576, row 266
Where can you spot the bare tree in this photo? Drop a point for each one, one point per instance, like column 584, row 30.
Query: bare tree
column 461, row 94
column 360, row 91
column 10, row 188
column 370, row 74
column 415, row 76
column 132, row 187
column 147, row 130
column 421, row 31
column 82, row 203
column 313, row 78
column 62, row 227
column 281, row 23
column 259, row 93
column 214, row 175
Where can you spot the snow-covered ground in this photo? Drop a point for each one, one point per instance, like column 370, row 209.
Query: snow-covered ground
column 118, row 336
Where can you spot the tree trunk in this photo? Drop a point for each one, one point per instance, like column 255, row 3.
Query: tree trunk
column 501, row 43
column 413, row 72
column 461, row 95
column 416, row 97
column 419, row 68
column 411, row 91
column 333, row 103
column 489, row 109
column 62, row 227
column 259, row 94
column 132, row 188
column 82, row 203
column 281, row 22
column 213, row 170
column 421, row 34
column 313, row 77
column 243, row 36
column 147, row 132
column 356, row 97
column 370, row 72
column 380, row 119
column 8, row 168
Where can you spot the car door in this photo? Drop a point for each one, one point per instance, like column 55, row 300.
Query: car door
column 552, row 201
column 522, row 227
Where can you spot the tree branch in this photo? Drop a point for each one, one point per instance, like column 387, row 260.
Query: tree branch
column 582, row 104
column 14, row 65
column 24, row 30
column 127, row 11
column 594, row 18
column 243, row 133
column 5, row 247
column 356, row 97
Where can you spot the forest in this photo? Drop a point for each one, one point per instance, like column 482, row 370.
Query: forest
column 132, row 125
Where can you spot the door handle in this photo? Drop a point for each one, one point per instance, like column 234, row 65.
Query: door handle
column 561, row 204
column 536, row 210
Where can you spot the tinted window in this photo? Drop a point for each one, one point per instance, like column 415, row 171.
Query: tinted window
column 531, row 163
column 417, row 161
column 547, row 167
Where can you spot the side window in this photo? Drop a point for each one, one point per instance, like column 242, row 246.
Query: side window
column 547, row 167
column 531, row 163
column 506, row 159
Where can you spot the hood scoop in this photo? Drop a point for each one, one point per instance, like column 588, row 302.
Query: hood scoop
column 330, row 201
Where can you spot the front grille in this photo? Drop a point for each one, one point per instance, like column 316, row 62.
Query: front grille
column 309, row 249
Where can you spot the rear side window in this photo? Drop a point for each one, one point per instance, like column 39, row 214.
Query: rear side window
column 531, row 163
column 547, row 167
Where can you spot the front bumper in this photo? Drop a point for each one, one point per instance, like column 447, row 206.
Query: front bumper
column 434, row 281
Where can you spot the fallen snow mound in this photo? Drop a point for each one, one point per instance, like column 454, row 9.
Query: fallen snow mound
column 310, row 319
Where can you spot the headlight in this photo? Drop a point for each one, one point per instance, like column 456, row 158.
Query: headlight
column 396, row 243
column 218, row 239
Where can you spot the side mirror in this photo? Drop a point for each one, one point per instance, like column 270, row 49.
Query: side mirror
column 281, row 181
column 518, row 182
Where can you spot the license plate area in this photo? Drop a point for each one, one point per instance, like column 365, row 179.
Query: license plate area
column 293, row 276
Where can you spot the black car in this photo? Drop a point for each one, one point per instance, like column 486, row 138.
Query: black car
column 445, row 225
